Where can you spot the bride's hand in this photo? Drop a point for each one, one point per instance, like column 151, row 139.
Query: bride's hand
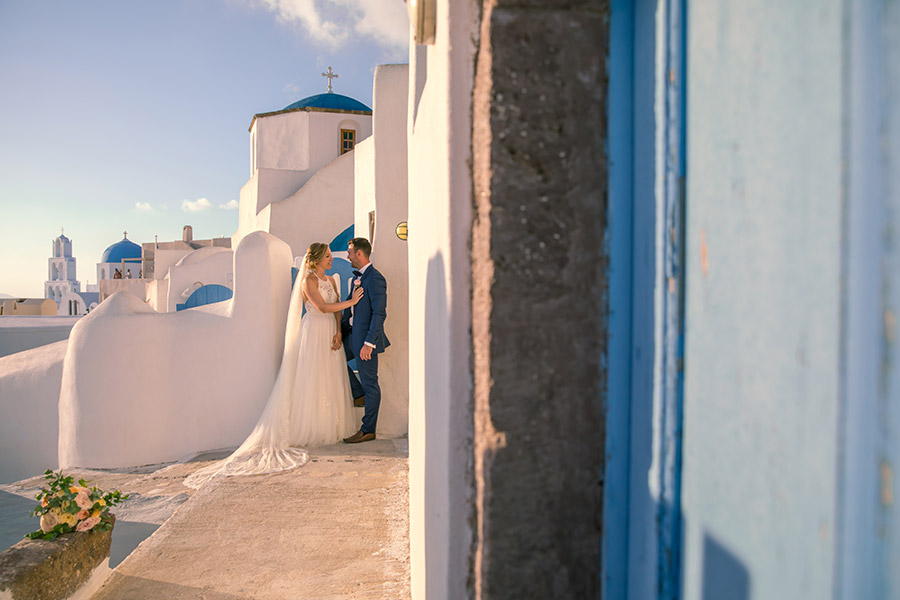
column 357, row 295
column 336, row 342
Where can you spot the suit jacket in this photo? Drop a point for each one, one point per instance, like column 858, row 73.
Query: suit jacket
column 369, row 313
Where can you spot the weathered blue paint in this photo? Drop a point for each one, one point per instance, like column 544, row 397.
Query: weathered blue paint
column 642, row 511
column 620, row 217
column 888, row 430
column 652, row 128
column 763, row 298
column 860, row 569
column 671, row 151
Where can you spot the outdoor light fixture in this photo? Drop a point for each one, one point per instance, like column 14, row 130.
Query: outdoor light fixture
column 401, row 230
column 422, row 18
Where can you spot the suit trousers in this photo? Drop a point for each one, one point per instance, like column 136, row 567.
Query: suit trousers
column 366, row 385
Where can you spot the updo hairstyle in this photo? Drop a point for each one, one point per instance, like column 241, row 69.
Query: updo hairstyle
column 315, row 254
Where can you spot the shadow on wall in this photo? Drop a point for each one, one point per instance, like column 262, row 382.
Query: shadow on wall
column 724, row 576
column 436, row 410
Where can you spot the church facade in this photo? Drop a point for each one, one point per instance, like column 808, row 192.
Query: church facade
column 301, row 161
column 62, row 286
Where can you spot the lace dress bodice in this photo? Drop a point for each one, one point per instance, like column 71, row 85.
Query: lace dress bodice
column 329, row 295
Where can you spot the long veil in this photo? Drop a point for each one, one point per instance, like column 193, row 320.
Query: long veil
column 267, row 448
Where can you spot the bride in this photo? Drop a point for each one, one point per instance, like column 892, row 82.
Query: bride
column 310, row 403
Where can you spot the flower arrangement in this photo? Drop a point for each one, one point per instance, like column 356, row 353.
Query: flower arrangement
column 65, row 507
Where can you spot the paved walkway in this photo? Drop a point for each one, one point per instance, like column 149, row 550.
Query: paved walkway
column 335, row 528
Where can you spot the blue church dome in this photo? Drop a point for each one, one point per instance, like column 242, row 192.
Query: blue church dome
column 329, row 101
column 126, row 249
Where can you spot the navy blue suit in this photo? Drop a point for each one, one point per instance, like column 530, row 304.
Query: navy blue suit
column 368, row 326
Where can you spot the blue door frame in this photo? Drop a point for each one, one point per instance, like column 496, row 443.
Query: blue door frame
column 646, row 149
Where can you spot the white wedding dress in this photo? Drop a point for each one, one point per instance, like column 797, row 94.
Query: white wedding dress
column 310, row 403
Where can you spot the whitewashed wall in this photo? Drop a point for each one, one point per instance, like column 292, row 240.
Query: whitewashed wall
column 140, row 387
column 440, row 379
column 29, row 416
column 210, row 265
column 292, row 148
column 318, row 211
column 282, row 141
column 163, row 260
column 382, row 187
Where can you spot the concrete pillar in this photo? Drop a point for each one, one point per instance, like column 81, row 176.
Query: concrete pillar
column 539, row 297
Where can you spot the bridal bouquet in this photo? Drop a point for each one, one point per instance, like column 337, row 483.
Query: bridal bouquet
column 65, row 507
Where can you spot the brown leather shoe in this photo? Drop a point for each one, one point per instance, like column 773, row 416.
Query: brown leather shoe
column 358, row 437
column 359, row 402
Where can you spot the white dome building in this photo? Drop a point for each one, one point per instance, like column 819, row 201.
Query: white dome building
column 301, row 164
column 125, row 256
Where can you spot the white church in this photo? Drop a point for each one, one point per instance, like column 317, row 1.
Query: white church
column 62, row 285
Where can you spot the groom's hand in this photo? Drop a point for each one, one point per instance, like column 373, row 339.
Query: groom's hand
column 365, row 353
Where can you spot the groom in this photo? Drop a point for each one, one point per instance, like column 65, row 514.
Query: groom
column 362, row 328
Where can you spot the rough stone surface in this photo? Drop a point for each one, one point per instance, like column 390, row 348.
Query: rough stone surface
column 539, row 297
column 51, row 570
column 338, row 527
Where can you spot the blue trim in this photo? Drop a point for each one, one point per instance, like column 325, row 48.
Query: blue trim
column 642, row 505
column 207, row 294
column 620, row 216
column 339, row 243
column 863, row 566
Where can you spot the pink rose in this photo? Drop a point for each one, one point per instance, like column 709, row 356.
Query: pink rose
column 83, row 499
column 83, row 514
column 87, row 524
column 357, row 282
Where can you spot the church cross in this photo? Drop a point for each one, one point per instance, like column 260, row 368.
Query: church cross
column 330, row 75
column 125, row 233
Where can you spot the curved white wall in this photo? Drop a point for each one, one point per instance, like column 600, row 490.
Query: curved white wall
column 29, row 421
column 139, row 387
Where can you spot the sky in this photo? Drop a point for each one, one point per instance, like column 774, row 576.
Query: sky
column 134, row 116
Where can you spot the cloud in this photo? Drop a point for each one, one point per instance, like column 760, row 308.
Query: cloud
column 197, row 205
column 230, row 205
column 332, row 22
column 143, row 206
column 383, row 20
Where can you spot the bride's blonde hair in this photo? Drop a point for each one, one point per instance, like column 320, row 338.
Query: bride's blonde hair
column 314, row 255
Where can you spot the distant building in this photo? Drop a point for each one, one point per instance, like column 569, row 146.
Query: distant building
column 61, row 286
column 157, row 257
column 144, row 271
column 22, row 307
column 61, row 278
column 120, row 260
